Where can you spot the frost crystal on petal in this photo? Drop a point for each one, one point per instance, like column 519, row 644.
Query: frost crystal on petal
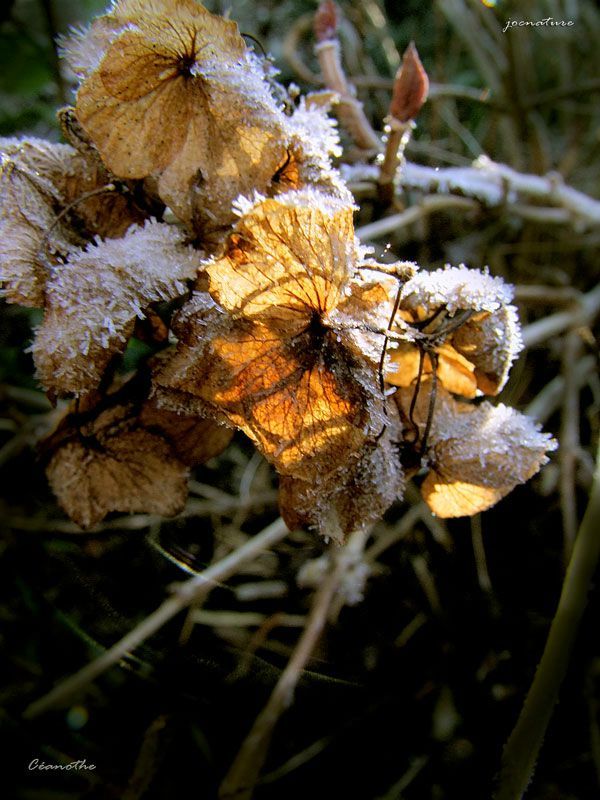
column 93, row 300
column 457, row 288
column 31, row 238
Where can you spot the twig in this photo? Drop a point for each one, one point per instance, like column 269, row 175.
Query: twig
column 545, row 328
column 569, row 440
column 522, row 748
column 185, row 594
column 549, row 399
column 428, row 205
column 243, row 774
column 327, row 49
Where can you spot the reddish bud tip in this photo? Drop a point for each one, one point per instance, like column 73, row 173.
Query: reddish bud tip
column 411, row 86
column 326, row 21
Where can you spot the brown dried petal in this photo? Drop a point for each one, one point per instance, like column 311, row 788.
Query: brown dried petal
column 491, row 342
column 194, row 440
column 111, row 464
column 31, row 240
column 177, row 96
column 476, row 454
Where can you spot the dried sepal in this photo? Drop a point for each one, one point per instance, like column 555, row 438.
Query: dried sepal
column 194, row 440
column 411, row 87
column 286, row 258
column 31, row 238
column 476, row 454
column 278, row 358
column 354, row 496
column 178, row 97
column 93, row 300
column 475, row 356
column 110, row 462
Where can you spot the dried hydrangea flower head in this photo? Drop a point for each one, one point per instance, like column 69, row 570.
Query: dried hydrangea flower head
column 276, row 349
column 173, row 92
column 475, row 454
column 462, row 320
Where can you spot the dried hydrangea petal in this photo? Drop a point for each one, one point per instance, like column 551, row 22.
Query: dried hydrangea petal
column 281, row 365
column 476, row 454
column 92, row 302
column 114, row 464
column 31, row 238
column 473, row 358
column 353, row 496
column 491, row 342
column 194, row 440
column 287, row 257
column 178, row 96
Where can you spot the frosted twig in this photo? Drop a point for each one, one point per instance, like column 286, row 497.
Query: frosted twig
column 491, row 183
column 240, row 780
column 349, row 110
column 185, row 594
column 522, row 749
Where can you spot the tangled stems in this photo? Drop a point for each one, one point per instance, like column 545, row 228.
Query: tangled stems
column 522, row 748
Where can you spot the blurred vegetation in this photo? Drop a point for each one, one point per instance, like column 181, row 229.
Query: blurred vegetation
column 414, row 691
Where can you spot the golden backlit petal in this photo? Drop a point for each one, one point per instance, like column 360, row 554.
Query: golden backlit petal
column 138, row 137
column 302, row 405
column 112, row 464
column 403, row 365
column 458, row 498
column 287, row 258
column 455, row 372
column 355, row 495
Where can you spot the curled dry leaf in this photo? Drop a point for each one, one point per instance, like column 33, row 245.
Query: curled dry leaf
column 476, row 454
column 177, row 95
column 278, row 358
column 93, row 300
column 473, row 357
